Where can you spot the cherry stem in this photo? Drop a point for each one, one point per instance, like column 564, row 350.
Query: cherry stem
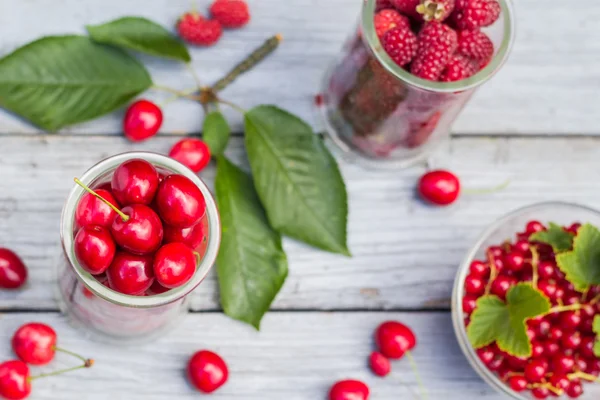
column 190, row 67
column 71, row 353
column 535, row 260
column 108, row 203
column 494, row 189
column 232, row 105
column 413, row 365
column 87, row 364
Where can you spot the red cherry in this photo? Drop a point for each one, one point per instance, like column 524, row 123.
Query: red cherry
column 394, row 339
column 93, row 211
column 142, row 120
column 94, row 249
column 535, row 371
column 13, row 273
column 174, row 265
column 130, row 274
column 156, row 289
column 180, row 202
column 517, row 383
column 349, row 390
column 439, row 187
column 15, row 382
column 207, row 371
column 193, row 153
column 135, row 182
column 534, row 226
column 192, row 237
column 35, row 343
column 142, row 233
column 380, row 364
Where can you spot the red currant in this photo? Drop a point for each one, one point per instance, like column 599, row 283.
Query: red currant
column 474, row 285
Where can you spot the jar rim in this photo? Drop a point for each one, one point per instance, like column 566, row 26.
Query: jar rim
column 67, row 226
column 374, row 44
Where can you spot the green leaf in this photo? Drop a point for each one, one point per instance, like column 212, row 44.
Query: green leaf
column 597, row 331
column 555, row 236
column 140, row 34
column 216, row 132
column 62, row 80
column 582, row 265
column 251, row 264
column 297, row 179
column 504, row 323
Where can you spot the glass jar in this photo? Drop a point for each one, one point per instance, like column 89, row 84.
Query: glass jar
column 107, row 315
column 378, row 113
column 561, row 213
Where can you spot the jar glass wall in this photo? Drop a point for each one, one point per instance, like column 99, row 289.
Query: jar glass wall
column 378, row 113
column 111, row 316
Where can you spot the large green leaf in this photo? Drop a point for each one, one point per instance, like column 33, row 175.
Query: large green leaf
column 597, row 332
column 494, row 320
column 555, row 236
column 582, row 264
column 297, row 179
column 61, row 80
column 140, row 34
column 251, row 265
column 216, row 132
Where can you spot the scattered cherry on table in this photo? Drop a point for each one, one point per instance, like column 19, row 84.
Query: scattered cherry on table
column 35, row 343
column 143, row 120
column 349, row 389
column 439, row 187
column 13, row 273
column 14, row 380
column 207, row 371
column 191, row 152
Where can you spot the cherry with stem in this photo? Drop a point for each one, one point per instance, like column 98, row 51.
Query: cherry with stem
column 93, row 193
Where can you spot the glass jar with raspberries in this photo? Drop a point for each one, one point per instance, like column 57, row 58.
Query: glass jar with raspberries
column 404, row 76
column 139, row 232
column 526, row 303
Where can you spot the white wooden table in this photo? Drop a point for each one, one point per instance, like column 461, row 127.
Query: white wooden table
column 535, row 124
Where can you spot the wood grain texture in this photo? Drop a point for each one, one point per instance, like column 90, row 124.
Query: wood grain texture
column 548, row 86
column 296, row 356
column 406, row 253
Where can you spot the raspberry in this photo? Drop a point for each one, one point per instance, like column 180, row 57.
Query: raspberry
column 475, row 45
column 407, row 7
column 193, row 28
column 472, row 14
column 386, row 20
column 459, row 67
column 437, row 42
column 435, row 10
column 401, row 45
column 230, row 13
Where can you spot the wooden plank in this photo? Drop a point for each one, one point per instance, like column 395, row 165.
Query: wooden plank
column 295, row 356
column 546, row 87
column 405, row 253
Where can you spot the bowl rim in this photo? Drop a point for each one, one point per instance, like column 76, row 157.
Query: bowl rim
column 456, row 306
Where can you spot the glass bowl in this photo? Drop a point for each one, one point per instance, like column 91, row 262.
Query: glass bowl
column 501, row 230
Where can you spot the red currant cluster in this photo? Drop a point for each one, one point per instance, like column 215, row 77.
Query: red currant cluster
column 142, row 234
column 34, row 344
column 562, row 341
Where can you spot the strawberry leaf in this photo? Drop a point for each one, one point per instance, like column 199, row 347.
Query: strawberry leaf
column 582, row 265
column 597, row 331
column 555, row 236
column 140, row 34
column 504, row 323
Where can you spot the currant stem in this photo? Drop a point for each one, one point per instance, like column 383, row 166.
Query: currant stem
column 595, row 300
column 232, row 105
column 535, row 260
column 493, row 273
column 494, row 189
column 71, row 353
column 251, row 61
column 87, row 364
column 413, row 365
column 559, row 309
column 584, row 376
column 108, row 203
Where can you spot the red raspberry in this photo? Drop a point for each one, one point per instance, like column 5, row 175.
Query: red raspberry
column 386, row 20
column 435, row 10
column 401, row 45
column 472, row 14
column 475, row 45
column 193, row 28
column 230, row 13
column 407, row 7
column 459, row 68
column 437, row 42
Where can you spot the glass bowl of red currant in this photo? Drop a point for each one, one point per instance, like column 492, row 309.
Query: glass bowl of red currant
column 526, row 303
column 139, row 231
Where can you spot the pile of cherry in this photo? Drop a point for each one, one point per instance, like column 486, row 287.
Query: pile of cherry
column 438, row 40
column 139, row 235
column 562, row 342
